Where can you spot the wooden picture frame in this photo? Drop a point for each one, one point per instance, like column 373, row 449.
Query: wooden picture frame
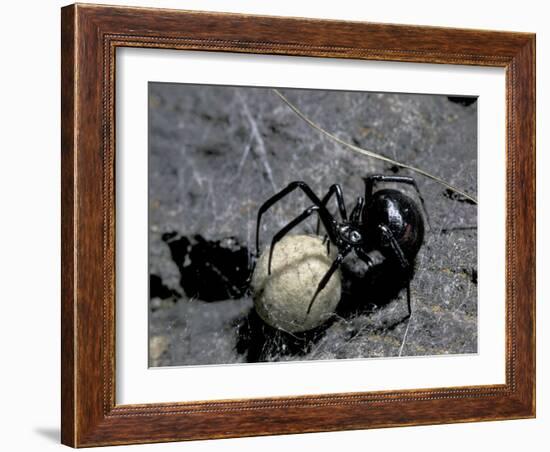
column 90, row 36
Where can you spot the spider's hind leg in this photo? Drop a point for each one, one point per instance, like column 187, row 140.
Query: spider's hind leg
column 409, row 297
column 397, row 253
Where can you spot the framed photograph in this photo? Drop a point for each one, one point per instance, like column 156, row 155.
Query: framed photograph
column 281, row 225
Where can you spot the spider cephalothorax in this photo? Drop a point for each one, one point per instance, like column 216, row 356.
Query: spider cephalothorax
column 384, row 221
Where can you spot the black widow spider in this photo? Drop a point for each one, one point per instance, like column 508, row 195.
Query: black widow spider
column 387, row 221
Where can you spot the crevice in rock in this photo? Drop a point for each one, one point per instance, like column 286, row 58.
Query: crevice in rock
column 211, row 270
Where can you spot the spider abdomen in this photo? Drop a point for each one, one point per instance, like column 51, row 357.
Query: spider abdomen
column 400, row 214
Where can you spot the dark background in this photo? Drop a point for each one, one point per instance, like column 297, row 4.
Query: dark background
column 217, row 153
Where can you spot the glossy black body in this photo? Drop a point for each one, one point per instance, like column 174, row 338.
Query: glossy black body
column 401, row 215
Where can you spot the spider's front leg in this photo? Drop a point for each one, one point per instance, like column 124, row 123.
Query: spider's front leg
column 334, row 190
column 279, row 235
column 324, row 214
column 326, row 278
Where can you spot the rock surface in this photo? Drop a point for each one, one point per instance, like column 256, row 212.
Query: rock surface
column 217, row 153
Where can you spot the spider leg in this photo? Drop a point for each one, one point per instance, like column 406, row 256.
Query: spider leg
column 327, row 241
column 323, row 212
column 393, row 245
column 357, row 211
column 409, row 297
column 279, row 235
column 334, row 190
column 326, row 278
column 371, row 180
